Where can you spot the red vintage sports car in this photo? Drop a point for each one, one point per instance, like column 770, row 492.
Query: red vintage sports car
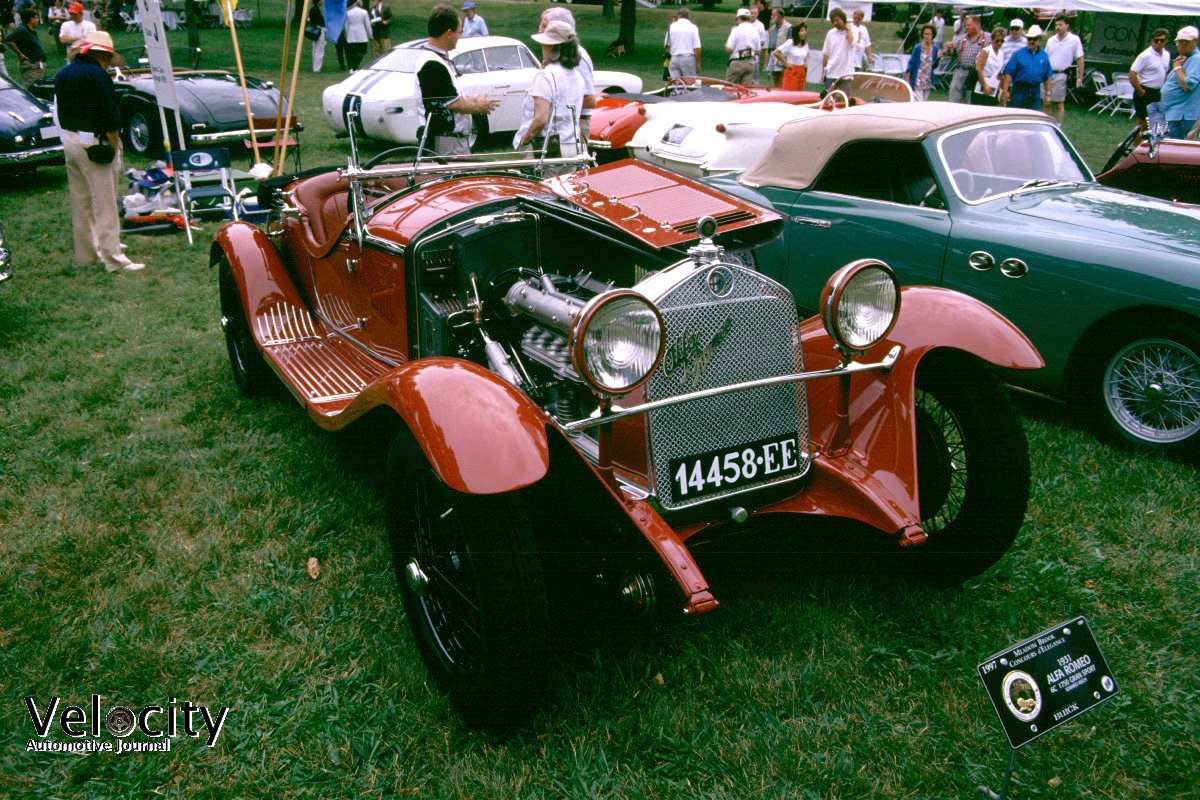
column 618, row 116
column 1157, row 166
column 583, row 373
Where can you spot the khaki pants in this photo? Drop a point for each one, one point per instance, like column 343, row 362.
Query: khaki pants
column 741, row 71
column 94, row 218
column 381, row 46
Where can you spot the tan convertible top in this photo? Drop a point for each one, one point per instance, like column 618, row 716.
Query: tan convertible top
column 802, row 147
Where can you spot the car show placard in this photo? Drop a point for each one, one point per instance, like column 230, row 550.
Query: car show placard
column 155, row 36
column 1046, row 680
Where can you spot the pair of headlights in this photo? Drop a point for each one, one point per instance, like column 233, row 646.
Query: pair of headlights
column 618, row 340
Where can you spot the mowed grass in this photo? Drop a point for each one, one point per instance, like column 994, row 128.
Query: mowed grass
column 157, row 526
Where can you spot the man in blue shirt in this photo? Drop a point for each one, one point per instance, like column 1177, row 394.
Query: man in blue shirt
column 1026, row 74
column 1180, row 100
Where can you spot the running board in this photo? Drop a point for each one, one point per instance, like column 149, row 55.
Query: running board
column 324, row 370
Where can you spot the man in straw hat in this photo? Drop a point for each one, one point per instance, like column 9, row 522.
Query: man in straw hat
column 88, row 116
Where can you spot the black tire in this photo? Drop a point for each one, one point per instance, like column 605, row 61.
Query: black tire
column 474, row 590
column 142, row 132
column 479, row 131
column 972, row 469
column 1123, row 149
column 1146, row 390
column 250, row 371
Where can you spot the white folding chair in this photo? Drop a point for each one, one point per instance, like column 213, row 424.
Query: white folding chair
column 1123, row 94
column 1105, row 93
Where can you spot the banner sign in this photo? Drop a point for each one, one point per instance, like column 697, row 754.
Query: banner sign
column 1046, row 680
column 155, row 36
column 1118, row 38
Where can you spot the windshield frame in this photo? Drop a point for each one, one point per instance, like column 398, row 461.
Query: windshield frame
column 948, row 172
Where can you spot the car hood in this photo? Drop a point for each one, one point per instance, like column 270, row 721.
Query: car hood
column 376, row 85
column 18, row 111
column 1141, row 221
column 217, row 101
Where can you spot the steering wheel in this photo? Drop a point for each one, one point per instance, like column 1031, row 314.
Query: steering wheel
column 835, row 94
column 405, row 154
column 965, row 182
column 1123, row 149
column 932, row 199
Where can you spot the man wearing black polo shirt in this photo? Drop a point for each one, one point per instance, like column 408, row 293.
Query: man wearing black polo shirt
column 24, row 41
column 88, row 115
column 446, row 112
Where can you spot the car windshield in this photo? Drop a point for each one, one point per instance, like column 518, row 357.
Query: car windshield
column 870, row 88
column 993, row 160
column 401, row 59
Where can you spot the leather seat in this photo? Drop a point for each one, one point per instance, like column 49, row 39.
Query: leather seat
column 324, row 204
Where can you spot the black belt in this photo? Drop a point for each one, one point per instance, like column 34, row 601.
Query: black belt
column 1026, row 85
column 745, row 58
column 452, row 135
column 1060, row 71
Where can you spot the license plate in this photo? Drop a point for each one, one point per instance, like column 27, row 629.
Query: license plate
column 720, row 471
column 50, row 132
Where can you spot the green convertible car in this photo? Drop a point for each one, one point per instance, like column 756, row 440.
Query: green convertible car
column 997, row 203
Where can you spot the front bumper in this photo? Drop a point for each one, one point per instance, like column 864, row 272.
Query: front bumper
column 239, row 135
column 48, row 155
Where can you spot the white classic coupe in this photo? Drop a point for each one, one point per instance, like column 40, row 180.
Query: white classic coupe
column 496, row 66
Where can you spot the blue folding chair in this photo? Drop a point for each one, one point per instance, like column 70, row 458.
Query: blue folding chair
column 210, row 163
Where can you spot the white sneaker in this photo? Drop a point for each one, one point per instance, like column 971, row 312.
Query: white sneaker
column 133, row 266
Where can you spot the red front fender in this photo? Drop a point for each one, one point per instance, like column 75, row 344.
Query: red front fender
column 871, row 476
column 481, row 435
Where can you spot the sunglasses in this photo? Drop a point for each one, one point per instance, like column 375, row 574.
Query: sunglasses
column 1159, row 41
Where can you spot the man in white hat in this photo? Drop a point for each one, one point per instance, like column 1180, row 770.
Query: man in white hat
column 1026, row 74
column 742, row 46
column 1013, row 42
column 1180, row 98
column 89, row 118
column 473, row 24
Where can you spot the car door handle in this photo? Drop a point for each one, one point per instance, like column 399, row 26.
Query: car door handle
column 1014, row 268
column 505, row 86
column 820, row 223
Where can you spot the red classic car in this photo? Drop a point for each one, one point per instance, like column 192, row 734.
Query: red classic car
column 583, row 373
column 1157, row 166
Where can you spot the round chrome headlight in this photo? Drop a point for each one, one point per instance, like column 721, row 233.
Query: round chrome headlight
column 617, row 341
column 859, row 304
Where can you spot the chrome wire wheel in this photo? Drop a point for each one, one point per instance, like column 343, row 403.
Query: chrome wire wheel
column 1152, row 391
column 140, row 134
column 942, row 455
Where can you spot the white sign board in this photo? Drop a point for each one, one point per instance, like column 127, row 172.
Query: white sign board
column 155, row 36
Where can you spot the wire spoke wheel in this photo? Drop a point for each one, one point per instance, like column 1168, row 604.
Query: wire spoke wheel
column 1152, row 390
column 972, row 469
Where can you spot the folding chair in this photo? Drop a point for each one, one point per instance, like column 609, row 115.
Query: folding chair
column 1105, row 93
column 210, row 162
column 943, row 72
column 290, row 137
column 1123, row 96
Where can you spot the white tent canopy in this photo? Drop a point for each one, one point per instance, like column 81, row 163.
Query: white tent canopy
column 1167, row 7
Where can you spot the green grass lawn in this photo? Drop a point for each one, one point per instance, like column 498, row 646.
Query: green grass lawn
column 157, row 526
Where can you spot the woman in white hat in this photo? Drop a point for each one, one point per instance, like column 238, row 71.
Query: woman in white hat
column 550, row 116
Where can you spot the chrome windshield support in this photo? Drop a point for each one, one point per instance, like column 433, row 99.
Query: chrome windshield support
column 597, row 419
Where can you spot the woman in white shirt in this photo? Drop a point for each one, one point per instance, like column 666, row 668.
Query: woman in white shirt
column 550, row 116
column 794, row 56
column 987, row 68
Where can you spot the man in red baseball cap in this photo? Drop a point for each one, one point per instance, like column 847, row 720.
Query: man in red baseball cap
column 74, row 29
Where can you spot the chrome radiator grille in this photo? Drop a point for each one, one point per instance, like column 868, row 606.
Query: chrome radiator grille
column 724, row 325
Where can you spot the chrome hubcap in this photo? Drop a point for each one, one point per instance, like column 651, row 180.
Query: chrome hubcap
column 1152, row 390
column 416, row 578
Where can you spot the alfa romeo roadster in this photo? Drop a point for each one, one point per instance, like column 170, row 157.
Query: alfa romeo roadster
column 583, row 373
